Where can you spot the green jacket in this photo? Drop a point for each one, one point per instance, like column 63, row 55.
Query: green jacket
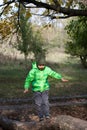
column 39, row 78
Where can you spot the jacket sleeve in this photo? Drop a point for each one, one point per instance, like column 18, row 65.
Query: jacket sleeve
column 29, row 78
column 54, row 74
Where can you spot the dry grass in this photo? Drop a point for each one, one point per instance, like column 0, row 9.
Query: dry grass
column 13, row 73
column 12, row 79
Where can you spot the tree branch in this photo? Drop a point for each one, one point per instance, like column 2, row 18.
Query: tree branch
column 66, row 11
column 18, row 18
column 59, row 17
column 54, row 7
column 6, row 5
column 73, row 12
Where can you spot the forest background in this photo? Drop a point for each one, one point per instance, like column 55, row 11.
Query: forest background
column 12, row 63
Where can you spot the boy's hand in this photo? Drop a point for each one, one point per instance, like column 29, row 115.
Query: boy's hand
column 26, row 91
column 64, row 80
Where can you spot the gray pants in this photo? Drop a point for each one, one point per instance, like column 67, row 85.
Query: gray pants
column 41, row 103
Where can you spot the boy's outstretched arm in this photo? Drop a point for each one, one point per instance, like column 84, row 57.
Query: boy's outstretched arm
column 57, row 75
column 64, row 80
column 26, row 90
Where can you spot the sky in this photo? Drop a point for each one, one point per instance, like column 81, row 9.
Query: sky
column 1, row 1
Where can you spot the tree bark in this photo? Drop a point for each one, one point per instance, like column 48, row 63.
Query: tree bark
column 65, row 11
column 8, row 124
column 83, row 61
column 58, row 9
column 62, row 122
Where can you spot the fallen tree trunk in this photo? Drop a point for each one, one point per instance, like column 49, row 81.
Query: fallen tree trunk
column 70, row 123
column 62, row 122
column 8, row 124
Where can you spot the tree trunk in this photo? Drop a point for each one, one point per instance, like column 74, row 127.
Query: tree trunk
column 62, row 122
column 8, row 124
column 84, row 61
column 25, row 57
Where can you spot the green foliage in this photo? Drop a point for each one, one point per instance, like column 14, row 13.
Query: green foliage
column 25, row 35
column 77, row 44
column 37, row 45
column 29, row 40
column 6, row 28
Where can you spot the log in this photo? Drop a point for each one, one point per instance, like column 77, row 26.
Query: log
column 62, row 122
column 8, row 124
column 70, row 123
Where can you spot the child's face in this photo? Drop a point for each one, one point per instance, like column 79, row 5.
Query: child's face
column 41, row 67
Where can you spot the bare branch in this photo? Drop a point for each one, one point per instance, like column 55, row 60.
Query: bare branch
column 3, row 10
column 65, row 11
column 73, row 12
column 60, row 17
column 18, row 18
column 7, row 3
column 41, row 4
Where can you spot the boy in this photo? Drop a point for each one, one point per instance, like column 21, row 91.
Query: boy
column 38, row 76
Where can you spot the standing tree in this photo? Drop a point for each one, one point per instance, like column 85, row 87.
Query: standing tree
column 77, row 44
column 37, row 46
column 27, row 39
column 24, row 35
